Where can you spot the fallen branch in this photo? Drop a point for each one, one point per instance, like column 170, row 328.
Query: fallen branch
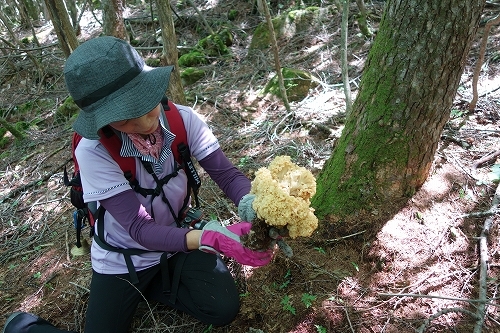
column 467, row 300
column 483, row 268
column 426, row 323
column 485, row 159
column 35, row 182
column 81, row 287
column 202, row 18
column 40, row 162
column 344, row 237
column 37, row 248
column 480, row 214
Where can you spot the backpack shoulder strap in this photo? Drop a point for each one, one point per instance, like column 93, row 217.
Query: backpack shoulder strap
column 180, row 147
column 176, row 125
column 113, row 144
column 74, row 143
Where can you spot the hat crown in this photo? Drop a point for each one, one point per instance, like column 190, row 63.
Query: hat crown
column 109, row 82
column 99, row 67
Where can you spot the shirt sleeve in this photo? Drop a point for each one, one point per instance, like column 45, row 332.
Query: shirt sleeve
column 132, row 216
column 101, row 176
column 231, row 180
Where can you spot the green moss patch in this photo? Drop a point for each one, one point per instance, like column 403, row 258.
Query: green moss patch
column 297, row 84
column 191, row 75
column 67, row 109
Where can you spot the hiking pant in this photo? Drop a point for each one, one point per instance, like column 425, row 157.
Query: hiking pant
column 200, row 285
column 205, row 289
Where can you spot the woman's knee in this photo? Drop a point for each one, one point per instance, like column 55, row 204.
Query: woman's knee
column 222, row 312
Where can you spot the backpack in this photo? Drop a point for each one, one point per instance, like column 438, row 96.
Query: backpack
column 87, row 212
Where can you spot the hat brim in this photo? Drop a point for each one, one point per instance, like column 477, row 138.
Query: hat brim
column 133, row 100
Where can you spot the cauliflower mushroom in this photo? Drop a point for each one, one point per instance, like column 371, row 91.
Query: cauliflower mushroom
column 282, row 197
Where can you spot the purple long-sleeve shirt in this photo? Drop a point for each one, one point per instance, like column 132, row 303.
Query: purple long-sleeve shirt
column 141, row 226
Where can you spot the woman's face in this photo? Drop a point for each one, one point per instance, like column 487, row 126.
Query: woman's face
column 144, row 125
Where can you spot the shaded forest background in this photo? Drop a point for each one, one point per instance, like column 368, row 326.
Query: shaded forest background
column 346, row 283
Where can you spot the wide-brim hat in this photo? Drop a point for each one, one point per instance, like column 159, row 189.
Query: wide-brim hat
column 109, row 82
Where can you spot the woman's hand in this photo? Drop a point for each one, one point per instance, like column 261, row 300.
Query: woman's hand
column 245, row 209
column 215, row 238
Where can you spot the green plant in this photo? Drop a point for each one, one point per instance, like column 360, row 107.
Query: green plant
column 320, row 329
column 307, row 299
column 4, row 140
column 287, row 304
column 287, row 281
column 37, row 275
column 192, row 59
column 233, row 13
column 208, row 329
column 244, row 161
column 320, row 250
column 356, row 267
column 66, row 110
column 455, row 113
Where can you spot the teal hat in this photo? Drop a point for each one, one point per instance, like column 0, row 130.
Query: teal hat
column 109, row 82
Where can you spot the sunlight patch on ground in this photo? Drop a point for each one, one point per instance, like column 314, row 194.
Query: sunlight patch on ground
column 420, row 252
column 488, row 84
column 42, row 270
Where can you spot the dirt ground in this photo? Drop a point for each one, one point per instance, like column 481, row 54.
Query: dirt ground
column 421, row 272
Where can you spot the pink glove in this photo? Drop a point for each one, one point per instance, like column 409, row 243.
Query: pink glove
column 226, row 240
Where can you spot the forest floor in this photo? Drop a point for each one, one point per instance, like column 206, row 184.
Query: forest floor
column 421, row 271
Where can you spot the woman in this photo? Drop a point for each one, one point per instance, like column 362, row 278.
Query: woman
column 180, row 267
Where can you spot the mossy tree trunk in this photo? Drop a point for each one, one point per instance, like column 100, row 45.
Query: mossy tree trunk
column 410, row 78
column 175, row 91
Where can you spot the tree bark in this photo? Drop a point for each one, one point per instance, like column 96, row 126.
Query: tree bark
column 410, row 78
column 73, row 13
column 62, row 25
column 362, row 19
column 23, row 13
column 113, row 23
column 175, row 91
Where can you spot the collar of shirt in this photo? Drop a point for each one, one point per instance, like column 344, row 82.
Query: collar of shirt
column 128, row 149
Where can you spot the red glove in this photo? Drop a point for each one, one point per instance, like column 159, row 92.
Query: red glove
column 226, row 240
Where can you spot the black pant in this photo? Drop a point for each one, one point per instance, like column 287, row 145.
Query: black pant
column 206, row 291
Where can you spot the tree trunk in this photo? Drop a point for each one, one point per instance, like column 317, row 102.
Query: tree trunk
column 274, row 47
column 175, row 91
column 23, row 14
column 344, row 33
column 62, row 25
column 113, row 24
column 410, row 78
column 73, row 13
column 32, row 9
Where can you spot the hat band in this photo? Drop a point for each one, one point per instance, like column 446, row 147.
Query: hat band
column 110, row 88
